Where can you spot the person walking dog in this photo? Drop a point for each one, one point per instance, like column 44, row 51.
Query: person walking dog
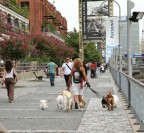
column 79, row 79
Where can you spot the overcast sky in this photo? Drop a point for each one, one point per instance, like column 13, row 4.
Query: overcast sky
column 69, row 10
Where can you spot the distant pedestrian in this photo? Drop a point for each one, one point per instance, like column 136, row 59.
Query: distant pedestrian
column 66, row 69
column 102, row 68
column 93, row 69
column 52, row 70
column 46, row 71
column 10, row 79
column 98, row 68
column 78, row 86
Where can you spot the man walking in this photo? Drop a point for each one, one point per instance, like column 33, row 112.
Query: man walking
column 66, row 69
column 52, row 68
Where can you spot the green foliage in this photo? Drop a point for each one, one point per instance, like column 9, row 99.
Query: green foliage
column 91, row 53
column 72, row 40
column 16, row 8
column 43, row 59
column 49, row 25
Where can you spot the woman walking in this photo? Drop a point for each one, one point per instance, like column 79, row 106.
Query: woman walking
column 79, row 71
column 10, row 78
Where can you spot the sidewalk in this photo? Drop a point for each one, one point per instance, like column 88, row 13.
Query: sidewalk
column 24, row 114
column 99, row 120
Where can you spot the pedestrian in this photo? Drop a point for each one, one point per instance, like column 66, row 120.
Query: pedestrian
column 66, row 69
column 98, row 68
column 93, row 69
column 102, row 68
column 52, row 70
column 85, row 67
column 10, row 79
column 46, row 71
column 77, row 87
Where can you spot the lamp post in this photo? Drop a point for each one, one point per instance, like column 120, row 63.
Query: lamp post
column 120, row 57
column 130, row 5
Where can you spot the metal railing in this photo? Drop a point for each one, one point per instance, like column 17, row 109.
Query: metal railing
column 32, row 66
column 133, row 91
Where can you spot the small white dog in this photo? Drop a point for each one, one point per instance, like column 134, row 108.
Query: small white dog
column 60, row 101
column 65, row 100
column 43, row 104
column 115, row 100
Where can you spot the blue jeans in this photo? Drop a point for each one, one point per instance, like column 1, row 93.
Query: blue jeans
column 52, row 78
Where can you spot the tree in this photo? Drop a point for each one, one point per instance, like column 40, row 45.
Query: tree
column 91, row 53
column 15, row 48
column 72, row 40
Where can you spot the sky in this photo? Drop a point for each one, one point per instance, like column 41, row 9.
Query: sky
column 69, row 10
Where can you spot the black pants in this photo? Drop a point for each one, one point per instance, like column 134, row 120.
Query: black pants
column 66, row 79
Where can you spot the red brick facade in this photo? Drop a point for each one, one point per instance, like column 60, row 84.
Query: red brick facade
column 40, row 8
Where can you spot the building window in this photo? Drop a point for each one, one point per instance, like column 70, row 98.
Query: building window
column 16, row 23
column 9, row 19
column 24, row 4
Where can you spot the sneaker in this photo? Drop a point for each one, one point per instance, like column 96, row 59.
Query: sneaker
column 76, row 105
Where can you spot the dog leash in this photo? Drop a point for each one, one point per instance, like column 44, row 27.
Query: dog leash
column 51, row 99
column 96, row 93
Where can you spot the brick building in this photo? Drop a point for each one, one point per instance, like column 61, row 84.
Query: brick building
column 41, row 11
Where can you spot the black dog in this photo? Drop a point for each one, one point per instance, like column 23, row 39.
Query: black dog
column 104, row 102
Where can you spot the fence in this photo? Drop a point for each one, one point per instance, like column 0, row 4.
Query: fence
column 133, row 91
column 25, row 70
column 32, row 66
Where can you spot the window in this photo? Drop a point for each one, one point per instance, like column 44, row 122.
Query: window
column 24, row 4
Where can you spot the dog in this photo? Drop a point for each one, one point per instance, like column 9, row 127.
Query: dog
column 110, row 101
column 82, row 104
column 60, row 100
column 43, row 104
column 104, row 102
column 65, row 101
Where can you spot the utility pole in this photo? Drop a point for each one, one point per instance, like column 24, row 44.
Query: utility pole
column 81, row 48
column 130, row 5
column 110, row 8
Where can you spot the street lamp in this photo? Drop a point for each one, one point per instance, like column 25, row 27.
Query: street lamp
column 130, row 5
column 120, row 57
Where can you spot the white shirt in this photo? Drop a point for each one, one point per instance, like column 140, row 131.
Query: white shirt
column 9, row 75
column 66, row 70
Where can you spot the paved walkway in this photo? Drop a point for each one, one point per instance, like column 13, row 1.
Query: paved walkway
column 24, row 115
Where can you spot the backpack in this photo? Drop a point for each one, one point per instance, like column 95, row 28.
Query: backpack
column 77, row 76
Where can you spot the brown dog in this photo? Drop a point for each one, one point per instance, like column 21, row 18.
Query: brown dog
column 110, row 101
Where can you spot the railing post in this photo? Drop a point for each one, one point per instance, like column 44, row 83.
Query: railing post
column 120, row 81
column 129, row 94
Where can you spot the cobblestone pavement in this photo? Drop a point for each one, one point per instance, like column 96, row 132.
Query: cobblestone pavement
column 25, row 116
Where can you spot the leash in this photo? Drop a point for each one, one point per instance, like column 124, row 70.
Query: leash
column 96, row 93
column 50, row 99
